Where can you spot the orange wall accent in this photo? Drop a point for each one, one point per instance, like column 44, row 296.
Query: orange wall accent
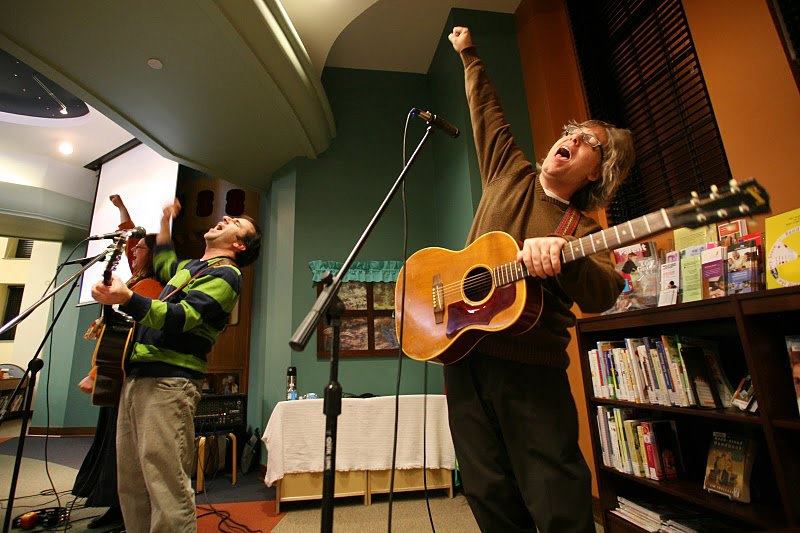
column 753, row 92
column 555, row 95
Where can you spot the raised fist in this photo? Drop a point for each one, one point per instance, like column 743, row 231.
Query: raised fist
column 460, row 38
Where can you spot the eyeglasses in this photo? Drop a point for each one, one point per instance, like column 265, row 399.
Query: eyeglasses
column 589, row 138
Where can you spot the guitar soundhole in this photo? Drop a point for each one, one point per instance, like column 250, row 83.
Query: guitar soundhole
column 477, row 284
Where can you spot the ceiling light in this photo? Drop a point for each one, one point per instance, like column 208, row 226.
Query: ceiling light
column 155, row 63
column 66, row 148
column 51, row 95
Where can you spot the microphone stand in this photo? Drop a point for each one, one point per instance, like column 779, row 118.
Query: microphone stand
column 34, row 366
column 332, row 404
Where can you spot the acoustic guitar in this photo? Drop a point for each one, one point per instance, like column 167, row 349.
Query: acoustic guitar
column 455, row 298
column 114, row 343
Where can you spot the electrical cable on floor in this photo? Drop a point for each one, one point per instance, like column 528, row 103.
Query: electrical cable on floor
column 224, row 516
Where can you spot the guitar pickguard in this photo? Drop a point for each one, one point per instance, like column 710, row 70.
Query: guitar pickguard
column 461, row 314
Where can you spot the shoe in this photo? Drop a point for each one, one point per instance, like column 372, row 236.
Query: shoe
column 112, row 517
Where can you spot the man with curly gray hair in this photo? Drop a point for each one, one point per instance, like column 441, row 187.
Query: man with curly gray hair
column 512, row 415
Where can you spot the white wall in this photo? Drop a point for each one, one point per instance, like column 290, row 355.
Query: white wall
column 35, row 273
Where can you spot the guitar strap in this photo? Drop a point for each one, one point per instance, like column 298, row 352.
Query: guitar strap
column 569, row 222
column 221, row 261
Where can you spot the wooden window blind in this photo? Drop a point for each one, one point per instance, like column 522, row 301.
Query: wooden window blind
column 640, row 71
column 786, row 15
column 24, row 249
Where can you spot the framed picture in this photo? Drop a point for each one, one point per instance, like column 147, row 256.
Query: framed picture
column 367, row 323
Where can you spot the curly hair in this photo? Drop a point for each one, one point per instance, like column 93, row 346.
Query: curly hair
column 614, row 167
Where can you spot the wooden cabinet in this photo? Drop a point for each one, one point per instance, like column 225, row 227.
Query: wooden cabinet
column 750, row 330
column 7, row 387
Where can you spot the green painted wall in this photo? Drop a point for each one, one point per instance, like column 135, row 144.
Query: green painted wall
column 458, row 184
column 336, row 196
column 69, row 361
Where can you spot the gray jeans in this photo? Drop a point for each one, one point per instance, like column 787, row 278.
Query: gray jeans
column 155, row 452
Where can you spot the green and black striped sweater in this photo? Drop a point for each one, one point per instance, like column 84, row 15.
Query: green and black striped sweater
column 175, row 337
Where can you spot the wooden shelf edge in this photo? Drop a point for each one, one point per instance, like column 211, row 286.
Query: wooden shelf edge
column 787, row 423
column 731, row 414
column 756, row 514
column 762, row 302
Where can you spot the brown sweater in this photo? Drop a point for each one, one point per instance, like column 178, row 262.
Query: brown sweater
column 514, row 201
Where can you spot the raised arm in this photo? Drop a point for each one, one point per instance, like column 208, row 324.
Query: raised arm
column 498, row 154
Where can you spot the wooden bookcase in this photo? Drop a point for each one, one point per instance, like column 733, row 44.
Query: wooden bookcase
column 750, row 329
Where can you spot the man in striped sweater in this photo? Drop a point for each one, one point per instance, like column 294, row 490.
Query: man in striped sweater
column 155, row 428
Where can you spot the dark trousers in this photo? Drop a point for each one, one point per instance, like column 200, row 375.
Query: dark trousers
column 515, row 432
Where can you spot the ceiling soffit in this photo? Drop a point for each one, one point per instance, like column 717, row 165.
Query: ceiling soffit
column 237, row 96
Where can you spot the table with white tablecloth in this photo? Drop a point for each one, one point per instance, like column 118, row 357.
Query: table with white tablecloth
column 295, row 434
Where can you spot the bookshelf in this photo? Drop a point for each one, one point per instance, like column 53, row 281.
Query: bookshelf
column 750, row 330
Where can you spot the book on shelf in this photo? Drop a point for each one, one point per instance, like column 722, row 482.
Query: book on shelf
column 668, row 449
column 783, row 249
column 730, row 461
column 744, row 395
column 713, row 263
column 719, row 379
column 699, row 380
column 684, row 396
column 639, row 267
column 650, row 511
column 655, row 469
column 793, row 349
column 742, row 268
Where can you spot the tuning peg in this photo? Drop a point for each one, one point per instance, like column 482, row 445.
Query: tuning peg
column 744, row 209
column 734, row 185
column 714, row 191
column 721, row 213
column 695, row 198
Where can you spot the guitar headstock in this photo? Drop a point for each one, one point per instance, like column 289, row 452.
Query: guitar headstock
column 113, row 259
column 734, row 201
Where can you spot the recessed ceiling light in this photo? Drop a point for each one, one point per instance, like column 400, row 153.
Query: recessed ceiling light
column 66, row 148
column 155, row 63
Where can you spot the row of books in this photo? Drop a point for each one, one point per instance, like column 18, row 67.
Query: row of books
column 663, row 370
column 668, row 518
column 642, row 448
column 710, row 262
column 651, row 449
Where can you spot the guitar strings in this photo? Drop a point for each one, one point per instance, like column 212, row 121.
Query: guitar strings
column 478, row 281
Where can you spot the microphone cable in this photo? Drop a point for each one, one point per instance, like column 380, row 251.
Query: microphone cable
column 400, row 360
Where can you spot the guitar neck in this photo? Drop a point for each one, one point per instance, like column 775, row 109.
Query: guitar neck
column 616, row 236
column 607, row 239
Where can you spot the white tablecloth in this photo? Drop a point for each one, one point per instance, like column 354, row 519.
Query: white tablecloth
column 295, row 434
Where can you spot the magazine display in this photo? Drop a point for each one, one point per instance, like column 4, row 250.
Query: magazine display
column 639, row 267
column 783, row 249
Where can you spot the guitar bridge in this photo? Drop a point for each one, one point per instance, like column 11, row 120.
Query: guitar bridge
column 438, row 298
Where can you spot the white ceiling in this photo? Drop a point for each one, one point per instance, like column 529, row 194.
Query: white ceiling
column 395, row 35
column 400, row 35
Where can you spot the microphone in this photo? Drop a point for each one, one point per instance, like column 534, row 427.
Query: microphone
column 138, row 231
column 437, row 121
